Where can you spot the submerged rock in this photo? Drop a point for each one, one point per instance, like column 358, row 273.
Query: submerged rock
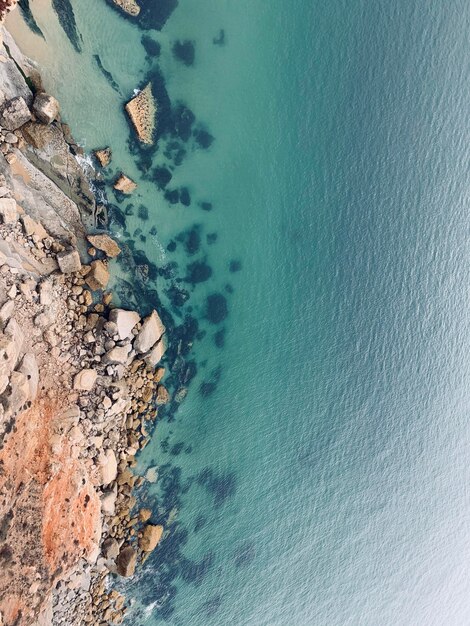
column 142, row 110
column 124, row 184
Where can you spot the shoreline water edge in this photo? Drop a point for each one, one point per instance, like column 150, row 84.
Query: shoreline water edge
column 81, row 380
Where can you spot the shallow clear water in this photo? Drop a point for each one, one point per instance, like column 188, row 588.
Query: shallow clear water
column 322, row 476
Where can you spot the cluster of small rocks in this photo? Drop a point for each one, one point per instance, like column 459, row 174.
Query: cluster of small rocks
column 56, row 324
column 15, row 113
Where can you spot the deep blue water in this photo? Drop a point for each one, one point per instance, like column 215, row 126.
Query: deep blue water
column 317, row 471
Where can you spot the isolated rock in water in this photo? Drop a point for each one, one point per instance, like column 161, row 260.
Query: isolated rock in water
column 106, row 244
column 85, row 380
column 150, row 537
column 163, row 396
column 125, row 321
column 98, row 277
column 151, row 332
column 126, row 561
column 104, row 156
column 45, row 107
column 156, row 353
column 108, row 467
column 69, row 261
column 128, row 6
column 142, row 110
column 145, row 515
column 15, row 113
column 8, row 210
column 124, row 184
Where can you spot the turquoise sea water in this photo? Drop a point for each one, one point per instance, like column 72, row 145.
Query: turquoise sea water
column 317, row 471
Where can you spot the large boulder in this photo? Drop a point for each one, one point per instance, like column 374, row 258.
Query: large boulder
column 125, row 321
column 8, row 210
column 45, row 107
column 98, row 276
column 15, row 113
column 105, row 244
column 110, row 548
column 155, row 355
column 69, row 261
column 126, row 561
column 152, row 331
column 117, row 355
column 128, row 6
column 108, row 467
column 150, row 537
column 85, row 380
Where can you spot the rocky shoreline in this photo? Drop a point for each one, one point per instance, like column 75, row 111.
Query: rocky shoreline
column 79, row 382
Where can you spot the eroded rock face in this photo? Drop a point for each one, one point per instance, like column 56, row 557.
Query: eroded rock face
column 142, row 111
column 151, row 332
column 15, row 113
column 46, row 108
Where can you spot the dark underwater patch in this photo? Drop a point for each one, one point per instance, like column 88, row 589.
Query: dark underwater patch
column 203, row 138
column 183, row 119
column 201, row 521
column 216, row 308
column 177, row 296
column 208, row 387
column 211, row 238
column 155, row 14
column 29, row 18
column 162, row 176
column 172, row 196
column 64, row 11
column 206, row 206
column 143, row 212
column 116, row 216
column 235, row 265
column 220, row 486
column 193, row 241
column 106, row 74
column 195, row 572
column 177, row 448
column 219, row 338
column 171, row 247
column 198, row 272
column 212, row 605
column 245, row 554
column 220, row 39
column 152, row 47
column 185, row 197
column 184, row 51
